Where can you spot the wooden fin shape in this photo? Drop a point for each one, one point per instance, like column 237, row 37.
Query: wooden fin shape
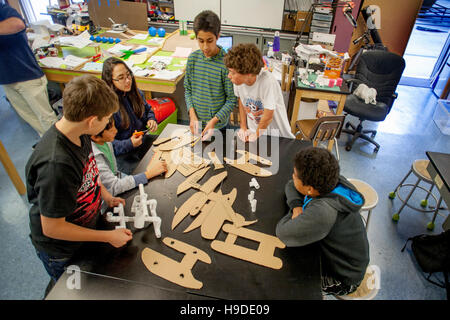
column 204, row 212
column 191, row 182
column 263, row 256
column 195, row 202
column 176, row 272
column 215, row 160
column 213, row 182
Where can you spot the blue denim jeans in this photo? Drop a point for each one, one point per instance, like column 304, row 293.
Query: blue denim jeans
column 54, row 265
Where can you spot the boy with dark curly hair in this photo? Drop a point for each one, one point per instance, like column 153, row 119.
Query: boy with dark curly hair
column 261, row 103
column 324, row 207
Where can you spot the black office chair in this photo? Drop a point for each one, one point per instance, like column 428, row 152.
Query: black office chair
column 377, row 69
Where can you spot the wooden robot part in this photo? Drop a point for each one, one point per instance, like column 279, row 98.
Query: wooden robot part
column 243, row 164
column 264, row 256
column 174, row 271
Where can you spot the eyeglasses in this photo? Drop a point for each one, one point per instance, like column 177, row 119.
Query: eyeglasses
column 122, row 78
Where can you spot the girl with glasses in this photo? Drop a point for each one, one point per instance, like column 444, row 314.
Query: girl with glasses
column 134, row 114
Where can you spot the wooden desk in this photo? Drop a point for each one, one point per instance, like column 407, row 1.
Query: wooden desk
column 226, row 277
column 11, row 170
column 146, row 84
column 439, row 170
column 323, row 93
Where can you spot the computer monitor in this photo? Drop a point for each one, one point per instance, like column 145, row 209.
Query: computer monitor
column 225, row 42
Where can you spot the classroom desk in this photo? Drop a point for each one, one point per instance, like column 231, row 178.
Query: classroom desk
column 145, row 84
column 226, row 277
column 338, row 94
column 439, row 170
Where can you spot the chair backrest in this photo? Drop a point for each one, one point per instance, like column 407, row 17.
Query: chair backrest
column 327, row 128
column 381, row 70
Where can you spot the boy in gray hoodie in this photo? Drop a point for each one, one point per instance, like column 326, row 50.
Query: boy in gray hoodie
column 324, row 207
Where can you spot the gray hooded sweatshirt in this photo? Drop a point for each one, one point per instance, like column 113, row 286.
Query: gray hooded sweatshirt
column 334, row 221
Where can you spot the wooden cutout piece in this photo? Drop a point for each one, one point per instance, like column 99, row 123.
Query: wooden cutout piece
column 243, row 164
column 213, row 182
column 161, row 140
column 204, row 212
column 191, row 182
column 194, row 204
column 263, row 256
column 215, row 160
column 249, row 168
column 222, row 211
column 251, row 156
column 174, row 271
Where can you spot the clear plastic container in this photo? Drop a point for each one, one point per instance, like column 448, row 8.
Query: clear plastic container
column 442, row 116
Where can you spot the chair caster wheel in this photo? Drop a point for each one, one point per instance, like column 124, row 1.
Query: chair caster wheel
column 348, row 148
column 430, row 226
column 376, row 150
column 423, row 203
column 347, row 125
column 392, row 195
column 373, row 134
column 396, row 217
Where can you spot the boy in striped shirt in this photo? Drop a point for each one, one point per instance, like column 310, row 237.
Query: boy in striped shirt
column 208, row 91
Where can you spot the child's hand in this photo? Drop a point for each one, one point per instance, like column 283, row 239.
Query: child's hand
column 136, row 141
column 114, row 201
column 155, row 168
column 152, row 125
column 296, row 212
column 119, row 237
column 243, row 134
column 252, row 137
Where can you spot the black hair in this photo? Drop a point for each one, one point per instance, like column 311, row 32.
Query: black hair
column 207, row 21
column 107, row 127
column 318, row 168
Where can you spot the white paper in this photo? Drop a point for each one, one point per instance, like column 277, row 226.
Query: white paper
column 140, row 36
column 165, row 74
column 117, row 49
column 156, row 41
column 72, row 61
column 93, row 66
column 166, row 60
column 52, row 62
column 182, row 52
column 79, row 41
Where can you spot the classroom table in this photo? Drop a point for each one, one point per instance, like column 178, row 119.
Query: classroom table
column 439, row 170
column 145, row 84
column 335, row 93
column 225, row 277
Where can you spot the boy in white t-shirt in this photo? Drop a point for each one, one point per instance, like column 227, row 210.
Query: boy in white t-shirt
column 261, row 104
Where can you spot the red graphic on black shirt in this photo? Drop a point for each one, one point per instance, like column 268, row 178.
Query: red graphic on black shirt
column 89, row 196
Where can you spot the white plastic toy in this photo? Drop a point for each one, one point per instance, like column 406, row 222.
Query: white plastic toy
column 140, row 210
column 253, row 204
column 251, row 195
column 254, row 183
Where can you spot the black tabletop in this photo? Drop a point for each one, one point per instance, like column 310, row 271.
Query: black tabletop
column 441, row 162
column 226, row 277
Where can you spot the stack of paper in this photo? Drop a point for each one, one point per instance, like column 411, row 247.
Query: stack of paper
column 52, row 62
column 140, row 36
column 181, row 52
column 165, row 74
column 93, row 66
column 138, row 58
column 117, row 49
column 72, row 62
column 156, row 41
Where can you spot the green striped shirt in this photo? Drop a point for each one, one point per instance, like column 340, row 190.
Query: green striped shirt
column 208, row 89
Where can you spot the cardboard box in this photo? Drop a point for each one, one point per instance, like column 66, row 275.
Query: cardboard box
column 289, row 22
column 301, row 19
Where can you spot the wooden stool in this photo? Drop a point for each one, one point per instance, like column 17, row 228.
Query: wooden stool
column 368, row 288
column 370, row 197
column 11, row 170
column 419, row 168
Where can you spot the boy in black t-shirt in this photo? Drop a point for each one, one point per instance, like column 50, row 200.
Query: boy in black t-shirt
column 63, row 184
